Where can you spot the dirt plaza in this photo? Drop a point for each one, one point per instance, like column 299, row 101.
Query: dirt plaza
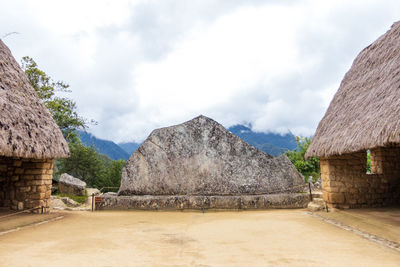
column 142, row 238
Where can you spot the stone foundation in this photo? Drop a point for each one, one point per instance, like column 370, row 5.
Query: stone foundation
column 25, row 183
column 273, row 201
column 346, row 184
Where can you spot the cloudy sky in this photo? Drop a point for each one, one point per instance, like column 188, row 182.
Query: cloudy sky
column 136, row 65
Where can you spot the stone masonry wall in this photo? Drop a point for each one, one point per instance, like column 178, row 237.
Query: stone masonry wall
column 186, row 202
column 346, row 184
column 25, row 183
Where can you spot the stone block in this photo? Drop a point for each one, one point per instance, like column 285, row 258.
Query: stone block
column 21, row 196
column 32, row 165
column 325, row 196
column 43, row 177
column 351, row 199
column 35, row 182
column 36, row 196
column 325, row 168
column 41, row 188
column 71, row 185
column 337, row 198
column 35, row 171
column 3, row 168
column 19, row 171
column 17, row 163
column 334, row 189
column 352, row 190
column 28, row 177
column 43, row 165
column 24, row 189
column 336, row 184
column 36, row 203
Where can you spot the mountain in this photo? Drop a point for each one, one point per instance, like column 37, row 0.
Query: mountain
column 106, row 147
column 129, row 147
column 271, row 143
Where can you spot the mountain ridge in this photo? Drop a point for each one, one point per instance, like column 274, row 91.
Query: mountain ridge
column 102, row 146
column 271, row 143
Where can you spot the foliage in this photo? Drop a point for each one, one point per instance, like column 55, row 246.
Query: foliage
column 368, row 161
column 96, row 169
column 62, row 109
column 114, row 172
column 79, row 199
column 308, row 167
column 85, row 162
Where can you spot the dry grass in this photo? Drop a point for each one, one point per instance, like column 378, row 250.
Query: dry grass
column 365, row 111
column 27, row 128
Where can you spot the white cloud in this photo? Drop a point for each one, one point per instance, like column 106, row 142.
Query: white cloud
column 137, row 65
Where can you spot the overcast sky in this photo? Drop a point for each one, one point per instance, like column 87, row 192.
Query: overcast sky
column 138, row 65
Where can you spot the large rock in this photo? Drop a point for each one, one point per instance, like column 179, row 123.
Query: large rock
column 71, row 185
column 201, row 157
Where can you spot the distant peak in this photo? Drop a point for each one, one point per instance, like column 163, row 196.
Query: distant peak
column 202, row 117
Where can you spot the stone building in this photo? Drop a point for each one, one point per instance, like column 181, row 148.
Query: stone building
column 30, row 140
column 363, row 116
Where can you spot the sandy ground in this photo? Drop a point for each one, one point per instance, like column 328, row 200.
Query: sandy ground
column 134, row 238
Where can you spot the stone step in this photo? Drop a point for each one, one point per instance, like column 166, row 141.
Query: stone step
column 316, row 194
column 314, row 207
column 319, row 201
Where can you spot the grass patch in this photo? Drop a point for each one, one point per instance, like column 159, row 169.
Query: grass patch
column 79, row 199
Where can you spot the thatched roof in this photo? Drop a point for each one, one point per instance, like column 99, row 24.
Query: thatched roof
column 365, row 112
column 27, row 128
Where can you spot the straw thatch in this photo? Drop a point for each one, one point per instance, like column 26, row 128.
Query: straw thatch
column 27, row 128
column 365, row 112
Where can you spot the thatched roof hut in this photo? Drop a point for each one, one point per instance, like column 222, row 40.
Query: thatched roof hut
column 27, row 129
column 364, row 113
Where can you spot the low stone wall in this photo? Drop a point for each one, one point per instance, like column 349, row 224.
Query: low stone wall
column 25, row 183
column 147, row 202
column 346, row 184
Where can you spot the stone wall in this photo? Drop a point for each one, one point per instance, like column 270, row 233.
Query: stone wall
column 346, row 184
column 183, row 202
column 25, row 183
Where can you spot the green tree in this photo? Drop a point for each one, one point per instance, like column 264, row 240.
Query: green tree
column 308, row 167
column 96, row 169
column 62, row 109
column 83, row 163
column 368, row 161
